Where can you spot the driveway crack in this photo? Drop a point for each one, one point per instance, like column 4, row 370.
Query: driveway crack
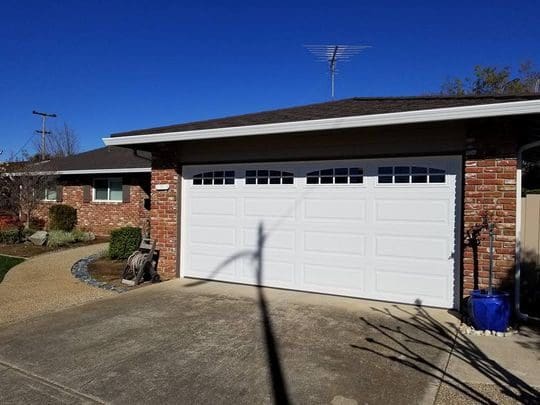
column 50, row 383
column 445, row 373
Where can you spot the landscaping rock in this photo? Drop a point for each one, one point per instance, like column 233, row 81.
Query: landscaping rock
column 39, row 238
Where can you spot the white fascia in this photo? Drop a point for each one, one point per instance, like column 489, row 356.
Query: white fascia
column 407, row 117
column 106, row 171
column 89, row 171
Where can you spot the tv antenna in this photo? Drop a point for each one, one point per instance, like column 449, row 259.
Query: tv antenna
column 331, row 54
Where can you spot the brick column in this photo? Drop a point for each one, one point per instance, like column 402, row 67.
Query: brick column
column 164, row 217
column 490, row 186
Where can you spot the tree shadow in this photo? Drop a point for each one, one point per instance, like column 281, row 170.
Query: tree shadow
column 279, row 386
column 406, row 348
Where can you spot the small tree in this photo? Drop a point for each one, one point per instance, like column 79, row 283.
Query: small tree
column 22, row 189
column 60, row 142
column 488, row 80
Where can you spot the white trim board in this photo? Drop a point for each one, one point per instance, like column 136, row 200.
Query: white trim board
column 89, row 171
column 407, row 117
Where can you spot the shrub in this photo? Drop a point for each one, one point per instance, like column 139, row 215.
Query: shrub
column 26, row 233
column 82, row 236
column 8, row 222
column 10, row 236
column 60, row 238
column 62, row 218
column 37, row 223
column 124, row 241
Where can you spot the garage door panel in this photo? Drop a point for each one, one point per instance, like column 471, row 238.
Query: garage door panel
column 417, row 248
column 412, row 211
column 205, row 265
column 334, row 209
column 427, row 289
column 282, row 240
column 213, row 206
column 316, row 277
column 213, row 235
column 365, row 238
column 334, row 243
column 269, row 208
column 275, row 273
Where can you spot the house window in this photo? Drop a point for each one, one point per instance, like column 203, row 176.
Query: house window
column 109, row 189
column 410, row 174
column 49, row 194
column 214, row 178
column 269, row 177
column 341, row 175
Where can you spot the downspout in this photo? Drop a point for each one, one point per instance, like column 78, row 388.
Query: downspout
column 517, row 275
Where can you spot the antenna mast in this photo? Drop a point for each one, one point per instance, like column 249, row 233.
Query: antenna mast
column 331, row 54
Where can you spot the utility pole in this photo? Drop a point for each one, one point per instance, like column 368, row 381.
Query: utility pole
column 43, row 131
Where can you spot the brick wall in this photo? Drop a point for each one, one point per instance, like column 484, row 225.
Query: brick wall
column 490, row 186
column 164, row 218
column 102, row 217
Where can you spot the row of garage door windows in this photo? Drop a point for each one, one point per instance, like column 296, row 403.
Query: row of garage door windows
column 342, row 175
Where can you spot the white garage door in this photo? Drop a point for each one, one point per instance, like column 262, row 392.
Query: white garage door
column 383, row 229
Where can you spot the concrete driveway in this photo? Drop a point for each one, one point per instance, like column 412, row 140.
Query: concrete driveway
column 185, row 341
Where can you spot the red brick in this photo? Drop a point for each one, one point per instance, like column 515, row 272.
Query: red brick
column 497, row 196
column 101, row 217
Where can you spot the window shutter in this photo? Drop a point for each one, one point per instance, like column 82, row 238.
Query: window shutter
column 59, row 191
column 126, row 188
column 87, row 193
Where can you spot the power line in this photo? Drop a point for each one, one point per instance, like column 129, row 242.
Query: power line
column 24, row 146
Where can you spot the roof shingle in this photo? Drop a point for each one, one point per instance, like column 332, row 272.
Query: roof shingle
column 335, row 109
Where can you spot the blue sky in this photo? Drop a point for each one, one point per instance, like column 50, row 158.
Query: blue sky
column 109, row 66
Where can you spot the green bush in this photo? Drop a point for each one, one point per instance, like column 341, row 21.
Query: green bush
column 62, row 218
column 124, row 241
column 82, row 236
column 11, row 236
column 60, row 238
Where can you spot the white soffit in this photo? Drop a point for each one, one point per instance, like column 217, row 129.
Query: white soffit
column 407, row 117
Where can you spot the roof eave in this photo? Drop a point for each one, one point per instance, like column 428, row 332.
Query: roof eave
column 81, row 172
column 396, row 118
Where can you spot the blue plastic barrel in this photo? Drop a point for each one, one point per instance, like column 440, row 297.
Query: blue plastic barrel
column 490, row 312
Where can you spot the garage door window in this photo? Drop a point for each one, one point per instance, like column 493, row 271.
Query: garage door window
column 410, row 174
column 341, row 175
column 264, row 176
column 214, row 178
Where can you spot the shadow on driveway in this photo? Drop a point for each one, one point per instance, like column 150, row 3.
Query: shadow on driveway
column 400, row 346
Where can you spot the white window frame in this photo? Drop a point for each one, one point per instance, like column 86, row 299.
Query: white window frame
column 46, row 190
column 108, row 179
